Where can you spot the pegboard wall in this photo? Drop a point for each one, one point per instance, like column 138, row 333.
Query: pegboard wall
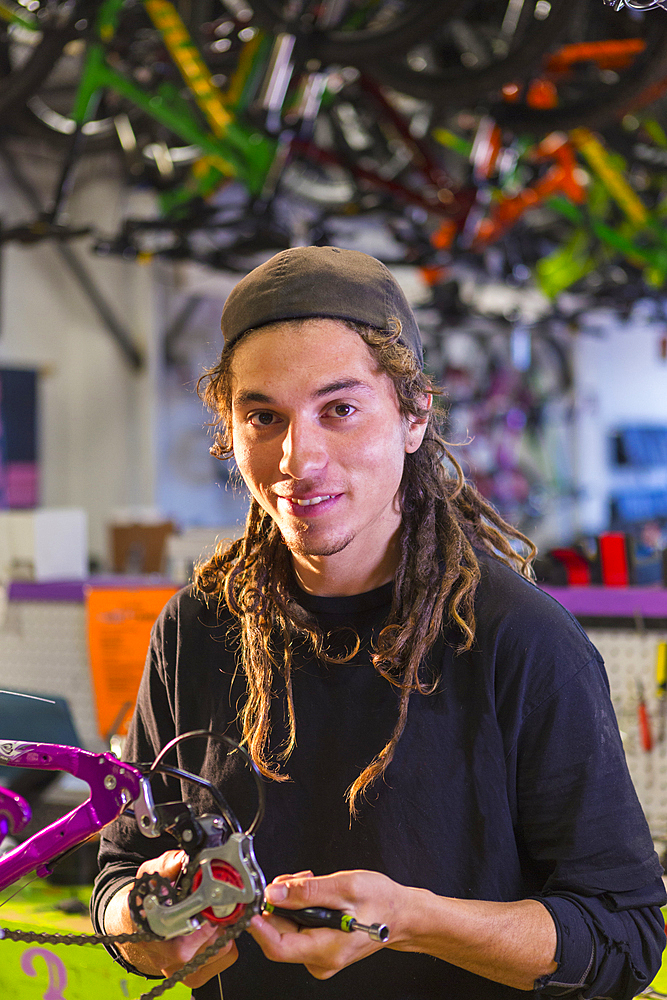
column 630, row 659
column 43, row 651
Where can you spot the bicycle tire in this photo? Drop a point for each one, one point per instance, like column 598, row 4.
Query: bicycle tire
column 353, row 160
column 44, row 115
column 450, row 87
column 331, row 46
column 602, row 104
column 18, row 84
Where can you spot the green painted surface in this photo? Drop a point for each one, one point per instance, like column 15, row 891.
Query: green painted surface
column 61, row 972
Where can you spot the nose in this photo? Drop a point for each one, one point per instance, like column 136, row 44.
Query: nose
column 304, row 451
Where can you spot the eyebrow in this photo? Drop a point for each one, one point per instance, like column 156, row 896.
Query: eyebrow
column 245, row 396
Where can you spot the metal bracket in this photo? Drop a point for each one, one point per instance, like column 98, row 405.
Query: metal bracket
column 181, row 918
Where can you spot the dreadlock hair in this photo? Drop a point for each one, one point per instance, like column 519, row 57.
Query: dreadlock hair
column 444, row 519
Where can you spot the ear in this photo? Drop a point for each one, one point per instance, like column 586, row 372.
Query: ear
column 416, row 427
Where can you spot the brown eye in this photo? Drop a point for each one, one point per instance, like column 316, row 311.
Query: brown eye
column 343, row 409
column 263, row 419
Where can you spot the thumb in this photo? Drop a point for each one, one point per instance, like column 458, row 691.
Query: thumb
column 297, row 891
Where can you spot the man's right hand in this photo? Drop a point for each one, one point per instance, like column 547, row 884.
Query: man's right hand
column 163, row 958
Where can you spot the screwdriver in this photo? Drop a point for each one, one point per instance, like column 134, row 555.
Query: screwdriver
column 661, row 687
column 319, row 916
column 643, row 720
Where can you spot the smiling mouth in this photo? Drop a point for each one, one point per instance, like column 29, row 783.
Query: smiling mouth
column 312, row 501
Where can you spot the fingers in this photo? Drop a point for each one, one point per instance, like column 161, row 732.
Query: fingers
column 177, row 952
column 322, row 951
column 168, row 864
column 284, row 878
column 218, row 963
column 283, row 941
column 165, row 957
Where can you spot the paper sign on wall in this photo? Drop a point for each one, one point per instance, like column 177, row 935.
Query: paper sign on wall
column 119, row 626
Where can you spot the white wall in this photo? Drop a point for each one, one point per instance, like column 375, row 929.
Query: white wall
column 97, row 415
column 621, row 378
column 193, row 488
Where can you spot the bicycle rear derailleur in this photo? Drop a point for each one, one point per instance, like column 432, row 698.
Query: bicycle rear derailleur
column 221, row 880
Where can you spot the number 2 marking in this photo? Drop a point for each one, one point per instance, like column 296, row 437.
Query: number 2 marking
column 56, row 969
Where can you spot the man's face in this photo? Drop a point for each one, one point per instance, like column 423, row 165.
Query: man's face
column 320, row 442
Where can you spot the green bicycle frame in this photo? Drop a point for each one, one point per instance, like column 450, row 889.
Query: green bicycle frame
column 232, row 149
column 642, row 240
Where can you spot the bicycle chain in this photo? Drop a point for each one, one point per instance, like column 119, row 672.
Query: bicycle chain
column 232, row 932
column 38, row 937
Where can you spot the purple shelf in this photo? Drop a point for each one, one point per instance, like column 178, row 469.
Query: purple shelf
column 54, row 590
column 75, row 590
column 612, row 602
column 583, row 602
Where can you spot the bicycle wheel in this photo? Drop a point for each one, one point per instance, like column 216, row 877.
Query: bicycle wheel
column 590, row 94
column 473, row 55
column 28, row 54
column 363, row 155
column 138, row 48
column 357, row 30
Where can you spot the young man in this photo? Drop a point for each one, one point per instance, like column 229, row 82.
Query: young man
column 440, row 749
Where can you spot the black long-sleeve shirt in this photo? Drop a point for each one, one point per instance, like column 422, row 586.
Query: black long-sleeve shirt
column 508, row 782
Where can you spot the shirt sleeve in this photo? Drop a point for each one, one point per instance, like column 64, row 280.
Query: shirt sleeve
column 122, row 846
column 608, row 946
column 581, row 818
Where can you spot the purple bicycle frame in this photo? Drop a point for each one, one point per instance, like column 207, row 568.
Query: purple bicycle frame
column 14, row 813
column 113, row 786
